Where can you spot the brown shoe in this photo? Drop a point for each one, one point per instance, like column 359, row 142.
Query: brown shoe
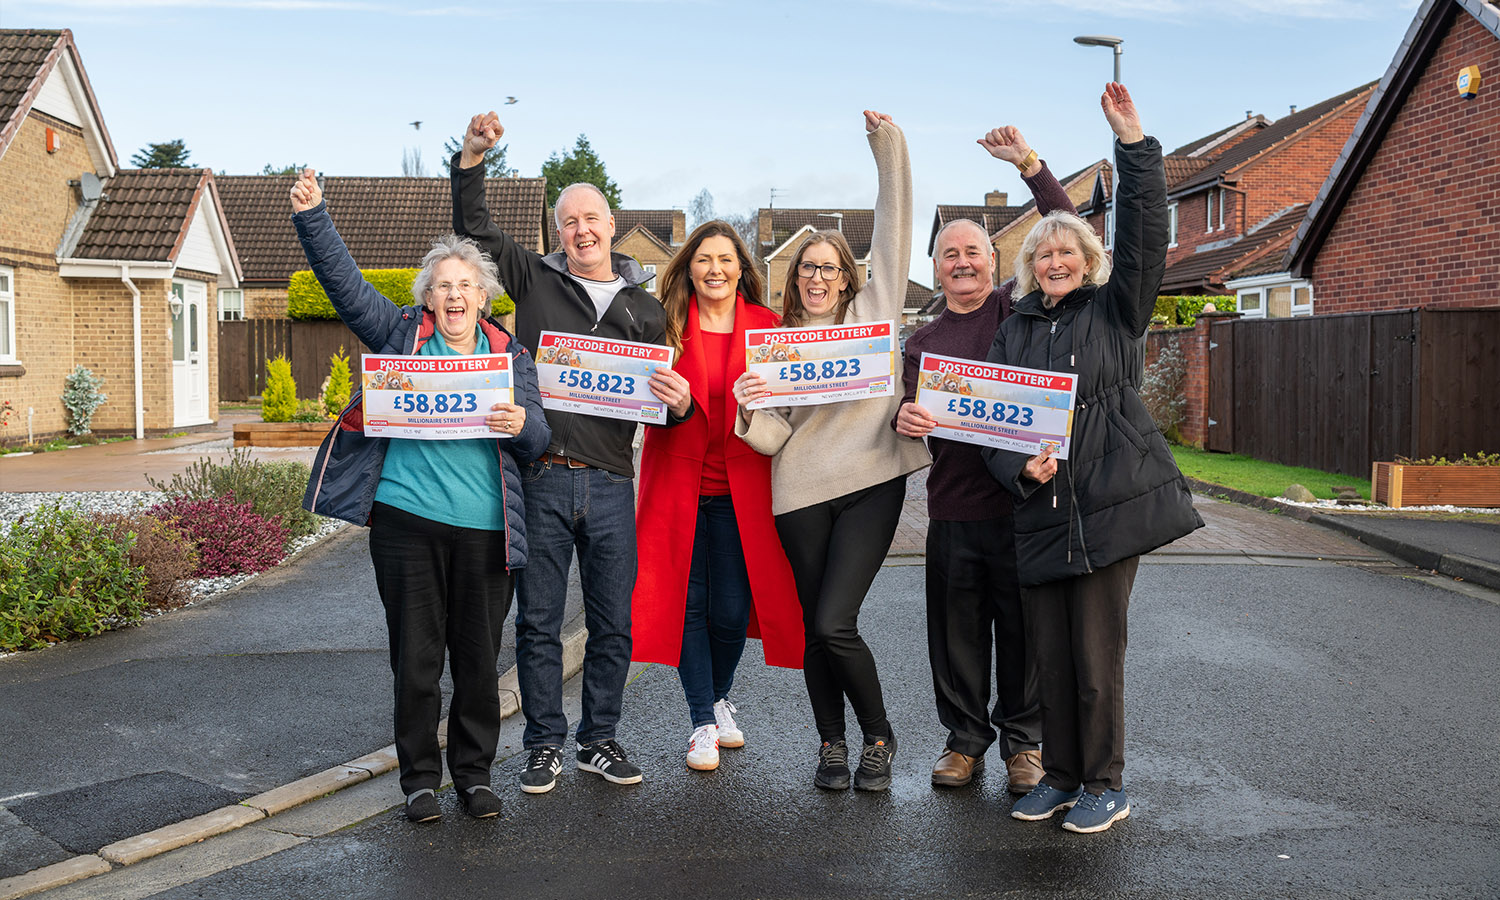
column 1024, row 770
column 953, row 769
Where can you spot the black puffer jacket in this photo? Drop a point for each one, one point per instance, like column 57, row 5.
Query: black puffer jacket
column 1119, row 493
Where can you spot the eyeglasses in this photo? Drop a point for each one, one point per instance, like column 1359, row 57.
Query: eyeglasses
column 444, row 288
column 828, row 271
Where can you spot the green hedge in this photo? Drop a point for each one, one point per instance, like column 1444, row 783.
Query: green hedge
column 306, row 299
column 1180, row 310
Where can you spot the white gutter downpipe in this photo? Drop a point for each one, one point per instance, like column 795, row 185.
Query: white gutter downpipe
column 135, row 336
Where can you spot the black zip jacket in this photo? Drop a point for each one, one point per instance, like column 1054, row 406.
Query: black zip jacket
column 548, row 299
column 1119, row 494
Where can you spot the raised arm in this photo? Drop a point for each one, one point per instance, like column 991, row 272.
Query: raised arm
column 367, row 312
column 1006, row 143
column 471, row 214
column 890, row 245
column 1140, row 251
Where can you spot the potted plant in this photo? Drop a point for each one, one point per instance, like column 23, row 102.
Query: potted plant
column 1438, row 481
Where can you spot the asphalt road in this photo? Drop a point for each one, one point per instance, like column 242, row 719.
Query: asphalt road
column 1309, row 730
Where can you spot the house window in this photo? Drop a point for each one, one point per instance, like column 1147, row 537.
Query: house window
column 1109, row 229
column 1208, row 217
column 650, row 284
column 1250, row 305
column 1302, row 301
column 7, row 314
column 1220, row 192
column 1172, row 225
column 231, row 305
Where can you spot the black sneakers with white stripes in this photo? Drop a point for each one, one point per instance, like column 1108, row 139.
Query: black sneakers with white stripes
column 607, row 759
column 540, row 775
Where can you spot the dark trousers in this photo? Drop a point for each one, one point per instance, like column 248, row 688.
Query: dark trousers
column 974, row 602
column 1077, row 630
column 442, row 586
column 718, row 609
column 592, row 511
column 835, row 549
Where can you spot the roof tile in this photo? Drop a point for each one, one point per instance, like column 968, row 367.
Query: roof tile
column 22, row 53
column 858, row 226
column 141, row 215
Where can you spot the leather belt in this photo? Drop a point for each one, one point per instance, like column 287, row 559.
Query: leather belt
column 560, row 460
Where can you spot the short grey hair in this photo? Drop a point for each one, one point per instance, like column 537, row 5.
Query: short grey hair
column 937, row 239
column 575, row 186
column 1051, row 225
column 465, row 250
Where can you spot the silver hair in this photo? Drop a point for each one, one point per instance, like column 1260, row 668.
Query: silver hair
column 1051, row 225
column 958, row 223
column 575, row 186
column 451, row 246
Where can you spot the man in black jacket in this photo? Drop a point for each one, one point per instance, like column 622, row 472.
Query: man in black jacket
column 581, row 492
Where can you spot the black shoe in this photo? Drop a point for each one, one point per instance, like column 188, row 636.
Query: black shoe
column 479, row 801
column 874, row 772
column 541, row 771
column 607, row 759
column 833, row 766
column 422, row 806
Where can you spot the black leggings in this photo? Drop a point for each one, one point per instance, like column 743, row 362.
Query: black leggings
column 835, row 549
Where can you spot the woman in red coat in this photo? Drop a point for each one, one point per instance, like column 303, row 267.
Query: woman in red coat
column 705, row 503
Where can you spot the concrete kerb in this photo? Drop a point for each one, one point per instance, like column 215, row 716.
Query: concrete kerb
column 262, row 806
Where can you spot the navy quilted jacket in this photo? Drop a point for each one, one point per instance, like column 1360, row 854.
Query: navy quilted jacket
column 346, row 471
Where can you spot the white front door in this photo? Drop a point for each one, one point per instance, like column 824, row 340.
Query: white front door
column 189, row 307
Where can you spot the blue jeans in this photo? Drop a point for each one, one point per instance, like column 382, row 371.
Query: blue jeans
column 718, row 609
column 593, row 510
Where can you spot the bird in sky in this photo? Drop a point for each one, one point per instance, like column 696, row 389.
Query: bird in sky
column 510, row 101
column 417, row 124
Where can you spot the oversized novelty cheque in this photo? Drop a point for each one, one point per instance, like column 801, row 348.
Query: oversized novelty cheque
column 822, row 364
column 600, row 377
column 1025, row 410
column 433, row 398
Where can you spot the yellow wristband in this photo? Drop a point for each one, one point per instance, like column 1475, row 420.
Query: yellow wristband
column 1026, row 163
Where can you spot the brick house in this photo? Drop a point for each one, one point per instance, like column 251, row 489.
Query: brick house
column 1232, row 194
column 387, row 223
column 650, row 237
column 100, row 266
column 779, row 232
column 1409, row 216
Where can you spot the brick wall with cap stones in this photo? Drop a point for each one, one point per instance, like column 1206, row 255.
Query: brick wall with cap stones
column 1422, row 225
column 38, row 205
column 265, row 302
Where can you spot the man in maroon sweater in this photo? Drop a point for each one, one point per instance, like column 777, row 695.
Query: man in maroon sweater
column 972, row 592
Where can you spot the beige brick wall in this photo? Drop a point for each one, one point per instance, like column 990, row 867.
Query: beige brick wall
column 1010, row 240
column 646, row 252
column 264, row 303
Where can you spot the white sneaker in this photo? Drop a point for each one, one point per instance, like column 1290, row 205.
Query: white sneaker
column 729, row 733
column 703, row 748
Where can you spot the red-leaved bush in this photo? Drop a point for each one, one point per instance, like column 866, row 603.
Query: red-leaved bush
column 229, row 536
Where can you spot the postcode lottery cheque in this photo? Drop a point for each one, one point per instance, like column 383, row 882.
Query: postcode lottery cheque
column 433, row 398
column 600, row 377
column 1024, row 410
column 822, row 364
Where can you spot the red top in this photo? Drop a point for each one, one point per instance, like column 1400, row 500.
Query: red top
column 715, row 479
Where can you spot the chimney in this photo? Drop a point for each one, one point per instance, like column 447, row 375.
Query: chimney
column 996, row 198
column 1249, row 115
column 1294, row 109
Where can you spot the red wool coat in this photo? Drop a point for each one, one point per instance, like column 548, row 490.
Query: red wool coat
column 667, row 514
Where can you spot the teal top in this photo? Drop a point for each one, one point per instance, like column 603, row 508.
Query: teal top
column 453, row 482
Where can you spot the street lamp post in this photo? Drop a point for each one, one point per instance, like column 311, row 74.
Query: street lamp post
column 1112, row 42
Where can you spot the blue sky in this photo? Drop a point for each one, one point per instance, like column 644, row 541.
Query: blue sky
column 680, row 96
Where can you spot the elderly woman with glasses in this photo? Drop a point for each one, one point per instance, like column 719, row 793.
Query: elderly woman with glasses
column 838, row 477
column 1083, row 523
column 447, row 532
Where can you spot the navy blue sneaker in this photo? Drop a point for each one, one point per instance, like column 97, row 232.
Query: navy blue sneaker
column 1042, row 802
column 1096, row 812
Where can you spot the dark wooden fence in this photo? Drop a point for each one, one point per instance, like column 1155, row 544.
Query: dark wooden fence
column 245, row 346
column 1339, row 392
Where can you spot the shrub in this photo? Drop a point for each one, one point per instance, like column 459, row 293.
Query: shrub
column 308, row 411
column 273, row 489
column 306, row 299
column 1166, row 310
column 1161, row 390
column 1480, row 458
column 231, row 539
column 1188, row 308
column 80, row 397
column 161, row 551
column 339, row 386
column 63, row 575
column 278, row 402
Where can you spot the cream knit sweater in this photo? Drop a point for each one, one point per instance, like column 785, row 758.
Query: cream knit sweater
column 825, row 452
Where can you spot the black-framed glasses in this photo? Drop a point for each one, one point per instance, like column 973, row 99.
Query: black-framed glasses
column 828, row 270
